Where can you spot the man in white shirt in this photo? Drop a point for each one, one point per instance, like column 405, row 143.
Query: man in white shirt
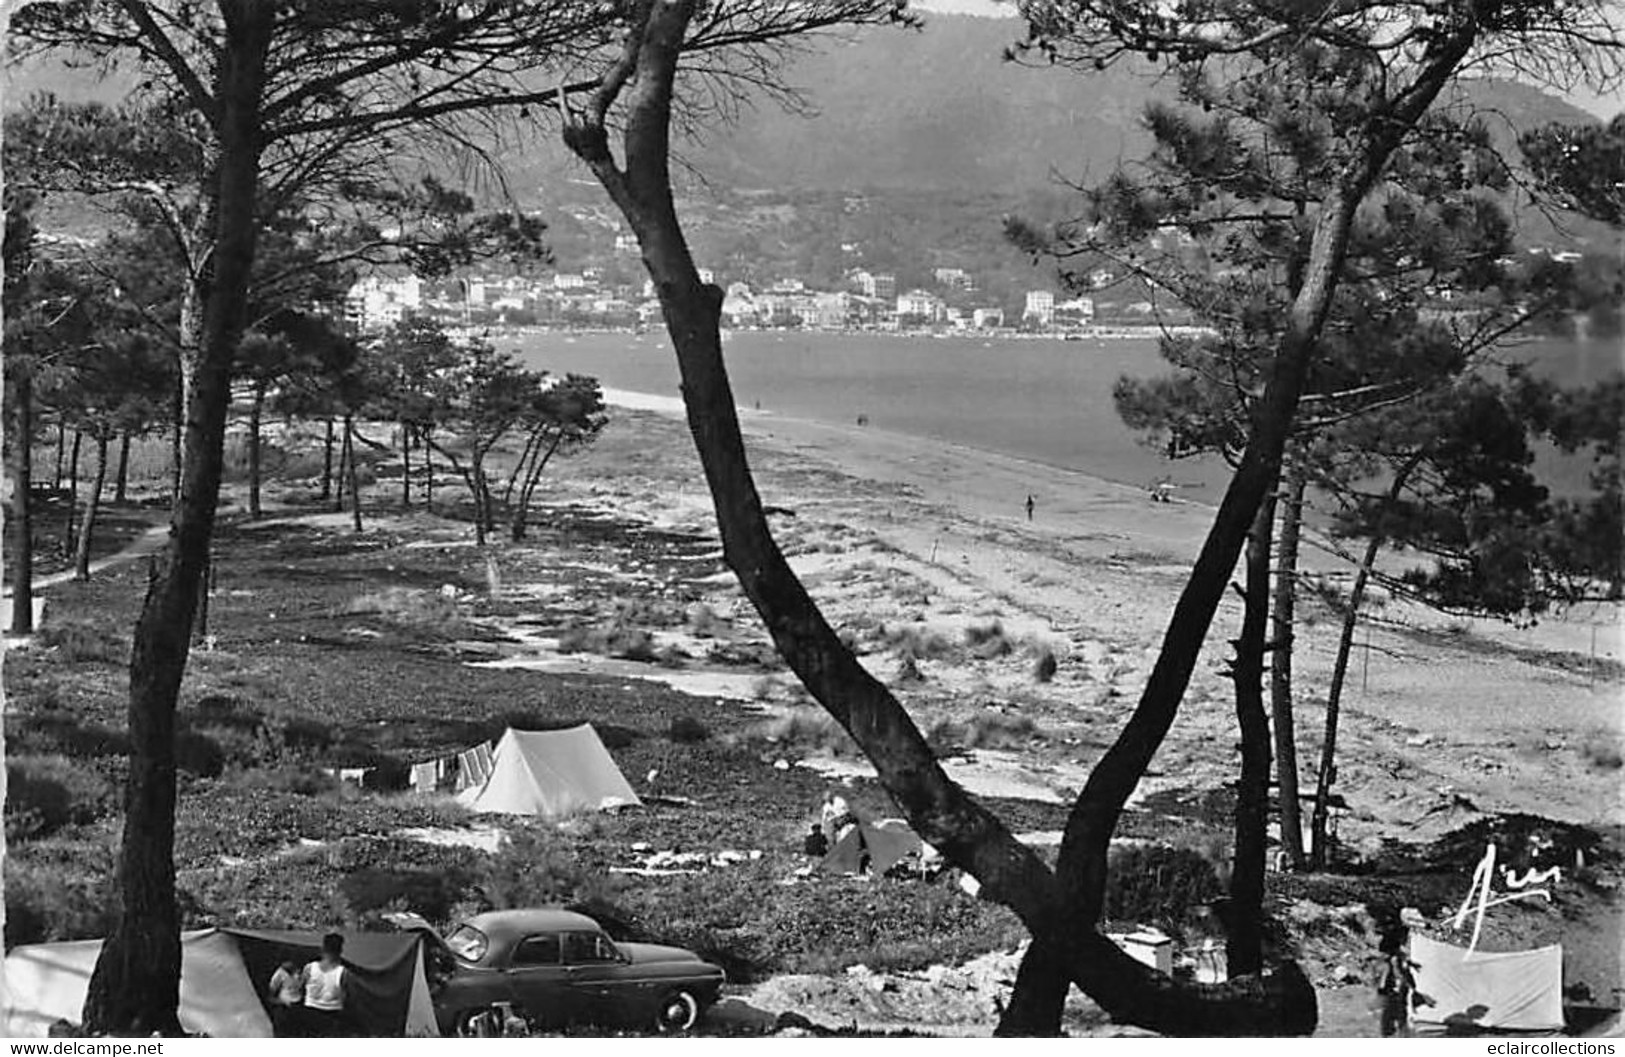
column 325, row 990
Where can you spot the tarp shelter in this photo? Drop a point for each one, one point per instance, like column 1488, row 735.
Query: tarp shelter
column 223, row 973
column 886, row 843
column 551, row 773
column 1478, row 990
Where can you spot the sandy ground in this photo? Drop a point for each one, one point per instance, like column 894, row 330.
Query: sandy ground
column 907, row 540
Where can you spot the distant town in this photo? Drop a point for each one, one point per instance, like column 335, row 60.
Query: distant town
column 871, row 302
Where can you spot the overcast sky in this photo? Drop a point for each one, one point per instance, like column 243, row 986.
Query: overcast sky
column 1605, row 106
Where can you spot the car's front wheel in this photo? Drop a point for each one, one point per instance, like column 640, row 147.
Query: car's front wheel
column 679, row 1011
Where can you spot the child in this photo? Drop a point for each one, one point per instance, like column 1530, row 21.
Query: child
column 1395, row 985
column 287, row 995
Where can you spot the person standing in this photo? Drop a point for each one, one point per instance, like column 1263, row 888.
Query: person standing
column 1030, row 505
column 286, row 993
column 325, row 990
column 1396, row 984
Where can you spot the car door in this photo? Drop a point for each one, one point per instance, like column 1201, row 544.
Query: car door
column 595, row 969
column 538, row 979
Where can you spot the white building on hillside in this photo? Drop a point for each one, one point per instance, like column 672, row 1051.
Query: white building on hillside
column 1040, row 306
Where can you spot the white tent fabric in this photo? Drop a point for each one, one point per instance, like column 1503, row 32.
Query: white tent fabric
column 551, row 773
column 47, row 982
column 1517, row 991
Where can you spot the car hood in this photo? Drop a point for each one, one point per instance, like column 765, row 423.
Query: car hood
column 647, row 953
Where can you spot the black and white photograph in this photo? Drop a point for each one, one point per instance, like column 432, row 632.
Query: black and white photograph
column 813, row 519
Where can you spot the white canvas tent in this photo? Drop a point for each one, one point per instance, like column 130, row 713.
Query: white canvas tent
column 1515, row 991
column 47, row 982
column 551, row 773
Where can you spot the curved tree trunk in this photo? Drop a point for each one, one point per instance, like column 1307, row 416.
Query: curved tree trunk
column 122, row 476
column 20, row 457
column 521, row 514
column 255, row 410
column 135, row 987
column 1063, row 909
column 1286, row 742
column 1244, row 946
column 87, row 528
column 1319, row 845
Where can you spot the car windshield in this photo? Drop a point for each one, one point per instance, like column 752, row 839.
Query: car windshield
column 467, row 943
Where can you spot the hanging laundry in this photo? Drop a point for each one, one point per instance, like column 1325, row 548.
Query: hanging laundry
column 424, row 777
column 352, row 774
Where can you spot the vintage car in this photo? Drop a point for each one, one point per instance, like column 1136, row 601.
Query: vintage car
column 555, row 967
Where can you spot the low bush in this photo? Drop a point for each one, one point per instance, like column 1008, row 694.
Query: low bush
column 60, row 891
column 686, row 730
column 805, row 730
column 633, row 644
column 46, row 793
column 83, row 641
column 1602, row 753
column 703, row 622
column 1045, row 665
column 917, row 641
column 298, row 779
column 988, row 641
column 990, row 730
column 1158, row 885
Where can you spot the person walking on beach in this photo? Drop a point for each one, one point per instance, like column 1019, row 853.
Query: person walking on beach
column 1030, row 505
column 325, row 991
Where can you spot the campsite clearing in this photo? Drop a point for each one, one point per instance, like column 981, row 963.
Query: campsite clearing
column 376, row 651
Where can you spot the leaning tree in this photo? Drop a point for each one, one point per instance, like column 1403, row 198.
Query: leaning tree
column 1406, row 54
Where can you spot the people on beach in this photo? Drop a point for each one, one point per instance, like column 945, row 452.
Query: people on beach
column 286, row 993
column 1030, row 505
column 1396, row 984
column 326, row 1015
column 815, row 845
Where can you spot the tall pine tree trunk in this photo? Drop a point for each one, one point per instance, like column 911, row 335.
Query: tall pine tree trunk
column 61, row 452
column 1244, row 946
column 255, row 410
column 121, row 478
column 1286, row 744
column 69, row 539
column 406, row 465
column 327, row 462
column 135, row 987
column 348, row 461
column 87, row 528
column 20, row 457
column 1319, row 819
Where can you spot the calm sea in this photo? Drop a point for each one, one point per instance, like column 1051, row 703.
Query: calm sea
column 1049, row 401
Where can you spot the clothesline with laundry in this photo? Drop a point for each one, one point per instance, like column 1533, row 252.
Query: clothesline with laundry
column 461, row 770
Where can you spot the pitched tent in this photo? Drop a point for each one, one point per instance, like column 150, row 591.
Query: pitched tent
column 1517, row 991
column 551, row 773
column 47, row 982
column 886, row 842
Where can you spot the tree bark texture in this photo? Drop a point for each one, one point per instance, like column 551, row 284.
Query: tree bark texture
column 20, row 456
column 1284, row 618
column 406, row 465
column 327, row 462
column 1244, row 943
column 135, row 986
column 87, row 528
column 1064, row 909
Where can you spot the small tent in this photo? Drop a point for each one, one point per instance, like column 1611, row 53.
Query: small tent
column 1479, row 990
column 551, row 773
column 47, row 982
column 885, row 843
